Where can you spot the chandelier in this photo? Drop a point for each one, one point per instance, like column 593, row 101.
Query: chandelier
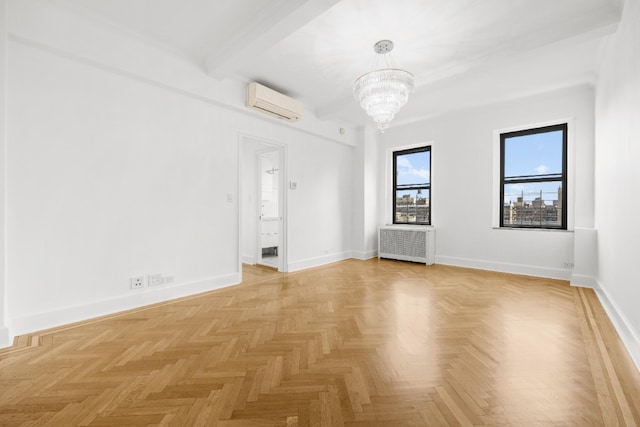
column 382, row 92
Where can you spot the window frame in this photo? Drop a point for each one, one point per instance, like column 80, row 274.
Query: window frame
column 564, row 127
column 394, row 189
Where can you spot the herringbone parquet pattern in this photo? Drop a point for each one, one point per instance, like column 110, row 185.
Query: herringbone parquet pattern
column 356, row 343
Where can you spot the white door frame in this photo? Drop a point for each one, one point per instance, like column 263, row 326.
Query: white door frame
column 282, row 199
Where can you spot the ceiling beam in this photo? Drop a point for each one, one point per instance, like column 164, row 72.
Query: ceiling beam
column 261, row 33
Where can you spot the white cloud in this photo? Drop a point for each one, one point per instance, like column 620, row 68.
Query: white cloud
column 542, row 169
column 406, row 169
column 403, row 162
column 422, row 173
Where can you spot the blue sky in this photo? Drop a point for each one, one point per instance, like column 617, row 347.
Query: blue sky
column 533, row 155
column 413, row 168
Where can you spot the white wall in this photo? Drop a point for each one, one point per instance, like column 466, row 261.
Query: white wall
column 618, row 177
column 248, row 148
column 372, row 183
column 464, row 166
column 4, row 332
column 366, row 183
column 110, row 178
column 319, row 209
column 121, row 159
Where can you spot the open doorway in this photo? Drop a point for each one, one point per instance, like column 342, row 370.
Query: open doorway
column 262, row 203
column 269, row 217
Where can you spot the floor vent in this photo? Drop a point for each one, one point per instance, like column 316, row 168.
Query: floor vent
column 407, row 243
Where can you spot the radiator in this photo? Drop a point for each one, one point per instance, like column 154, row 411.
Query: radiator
column 407, row 243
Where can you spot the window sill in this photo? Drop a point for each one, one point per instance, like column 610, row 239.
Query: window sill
column 551, row 230
column 408, row 226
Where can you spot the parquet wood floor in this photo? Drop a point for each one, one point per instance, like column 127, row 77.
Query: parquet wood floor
column 355, row 343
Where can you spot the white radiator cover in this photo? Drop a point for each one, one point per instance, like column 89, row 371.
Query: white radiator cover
column 407, row 243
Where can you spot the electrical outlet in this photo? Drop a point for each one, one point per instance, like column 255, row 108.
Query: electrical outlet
column 167, row 279
column 154, row 279
column 568, row 265
column 136, row 282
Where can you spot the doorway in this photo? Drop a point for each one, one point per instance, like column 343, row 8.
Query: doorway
column 262, row 203
column 269, row 215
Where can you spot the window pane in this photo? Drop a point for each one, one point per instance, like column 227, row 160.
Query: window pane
column 413, row 169
column 536, row 154
column 533, row 204
column 412, row 206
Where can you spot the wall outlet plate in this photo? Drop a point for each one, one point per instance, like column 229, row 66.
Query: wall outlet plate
column 154, row 279
column 136, row 282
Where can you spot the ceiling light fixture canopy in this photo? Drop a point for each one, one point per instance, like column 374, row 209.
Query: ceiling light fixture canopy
column 382, row 92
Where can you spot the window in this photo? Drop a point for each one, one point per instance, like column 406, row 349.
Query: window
column 533, row 178
column 412, row 186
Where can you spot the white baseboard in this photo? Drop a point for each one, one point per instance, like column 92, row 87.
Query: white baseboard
column 249, row 259
column 584, row 281
column 527, row 270
column 628, row 335
column 316, row 262
column 4, row 337
column 364, row 255
column 135, row 299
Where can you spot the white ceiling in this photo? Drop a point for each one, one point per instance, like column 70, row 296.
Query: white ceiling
column 462, row 52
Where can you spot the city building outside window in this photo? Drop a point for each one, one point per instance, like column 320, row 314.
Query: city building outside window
column 533, row 178
column 412, row 186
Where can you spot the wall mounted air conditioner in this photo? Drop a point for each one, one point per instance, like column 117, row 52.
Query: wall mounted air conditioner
column 269, row 101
